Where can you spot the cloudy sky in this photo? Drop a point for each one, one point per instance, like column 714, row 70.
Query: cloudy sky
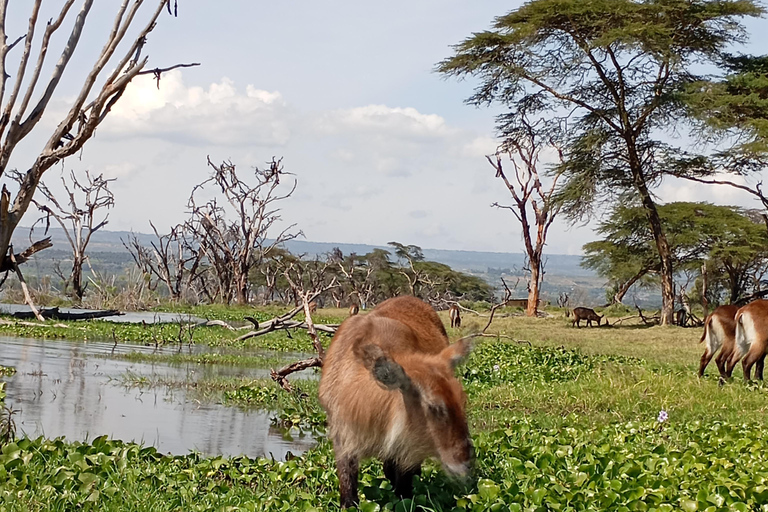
column 383, row 148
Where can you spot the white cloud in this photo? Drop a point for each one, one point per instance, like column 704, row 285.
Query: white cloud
column 367, row 174
column 480, row 146
column 396, row 122
column 219, row 115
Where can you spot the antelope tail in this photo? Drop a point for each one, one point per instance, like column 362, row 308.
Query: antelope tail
column 707, row 322
column 742, row 342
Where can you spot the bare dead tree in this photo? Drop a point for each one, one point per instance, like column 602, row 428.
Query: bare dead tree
column 531, row 198
column 233, row 247
column 504, row 302
column 172, row 259
column 77, row 218
column 118, row 63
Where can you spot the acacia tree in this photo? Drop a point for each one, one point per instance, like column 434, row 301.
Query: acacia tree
column 357, row 277
column 623, row 265
column 77, row 218
column 117, row 64
column 410, row 255
column 612, row 70
column 732, row 110
column 532, row 198
column 724, row 240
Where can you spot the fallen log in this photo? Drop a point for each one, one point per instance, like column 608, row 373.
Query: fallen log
column 55, row 314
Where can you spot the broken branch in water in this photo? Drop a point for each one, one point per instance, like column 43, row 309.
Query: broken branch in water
column 293, row 275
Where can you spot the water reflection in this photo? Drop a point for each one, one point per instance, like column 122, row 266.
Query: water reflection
column 70, row 389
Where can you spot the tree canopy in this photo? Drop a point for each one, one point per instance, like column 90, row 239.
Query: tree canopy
column 606, row 76
column 732, row 244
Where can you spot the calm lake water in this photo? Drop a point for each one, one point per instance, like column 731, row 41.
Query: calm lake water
column 73, row 389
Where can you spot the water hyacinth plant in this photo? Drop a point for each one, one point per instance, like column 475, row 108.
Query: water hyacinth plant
column 554, row 429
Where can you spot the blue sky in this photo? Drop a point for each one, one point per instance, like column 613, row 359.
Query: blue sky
column 382, row 147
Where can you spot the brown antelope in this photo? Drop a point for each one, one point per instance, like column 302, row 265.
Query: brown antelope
column 354, row 309
column 587, row 314
column 312, row 307
column 751, row 338
column 455, row 316
column 720, row 333
column 389, row 389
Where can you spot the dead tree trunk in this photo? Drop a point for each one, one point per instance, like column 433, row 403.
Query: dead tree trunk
column 530, row 197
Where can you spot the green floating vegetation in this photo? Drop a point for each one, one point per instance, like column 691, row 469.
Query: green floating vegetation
column 555, row 429
column 258, row 361
column 636, row 466
column 165, row 334
column 496, row 363
column 299, row 409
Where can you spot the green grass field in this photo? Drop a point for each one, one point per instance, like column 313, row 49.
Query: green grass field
column 562, row 418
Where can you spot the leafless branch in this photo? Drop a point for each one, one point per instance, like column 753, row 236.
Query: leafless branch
column 91, row 104
column 27, row 296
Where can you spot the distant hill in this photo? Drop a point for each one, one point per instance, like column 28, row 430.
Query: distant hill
column 471, row 261
column 562, row 272
column 101, row 241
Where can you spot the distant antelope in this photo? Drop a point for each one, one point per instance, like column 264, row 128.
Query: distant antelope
column 587, row 314
column 389, row 389
column 354, row 309
column 751, row 338
column 455, row 316
column 312, row 307
column 720, row 333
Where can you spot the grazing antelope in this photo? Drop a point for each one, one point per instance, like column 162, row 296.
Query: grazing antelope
column 720, row 333
column 389, row 389
column 587, row 314
column 455, row 315
column 751, row 338
column 354, row 309
column 312, row 307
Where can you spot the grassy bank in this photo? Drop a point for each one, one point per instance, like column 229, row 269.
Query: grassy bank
column 563, row 419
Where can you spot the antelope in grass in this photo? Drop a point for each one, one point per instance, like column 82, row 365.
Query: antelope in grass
column 587, row 314
column 751, row 338
column 720, row 333
column 389, row 389
column 455, row 316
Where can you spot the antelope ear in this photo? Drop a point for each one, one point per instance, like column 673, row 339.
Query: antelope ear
column 384, row 369
column 456, row 353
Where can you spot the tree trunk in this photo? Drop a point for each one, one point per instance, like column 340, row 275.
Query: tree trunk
column 533, row 289
column 76, row 279
column 242, row 293
column 704, row 285
column 623, row 289
column 662, row 245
